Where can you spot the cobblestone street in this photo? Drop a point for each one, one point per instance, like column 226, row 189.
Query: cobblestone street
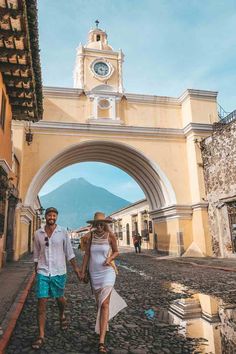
column 146, row 283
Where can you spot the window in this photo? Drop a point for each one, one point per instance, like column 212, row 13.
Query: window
column 98, row 37
column 3, row 188
column 232, row 221
column 127, row 234
column 3, row 110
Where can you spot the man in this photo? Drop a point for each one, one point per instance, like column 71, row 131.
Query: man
column 139, row 237
column 52, row 247
column 136, row 242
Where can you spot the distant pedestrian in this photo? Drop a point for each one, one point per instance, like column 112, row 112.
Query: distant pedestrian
column 99, row 259
column 52, row 247
column 137, row 243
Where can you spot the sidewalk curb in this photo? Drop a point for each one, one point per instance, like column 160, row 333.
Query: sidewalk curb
column 225, row 269
column 14, row 314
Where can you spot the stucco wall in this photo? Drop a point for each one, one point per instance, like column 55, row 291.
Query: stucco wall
column 219, row 160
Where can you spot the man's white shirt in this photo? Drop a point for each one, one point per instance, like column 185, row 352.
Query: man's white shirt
column 52, row 258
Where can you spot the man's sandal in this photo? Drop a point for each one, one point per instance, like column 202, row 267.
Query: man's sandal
column 102, row 348
column 38, row 343
column 63, row 323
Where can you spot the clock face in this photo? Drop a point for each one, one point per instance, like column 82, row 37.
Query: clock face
column 101, row 68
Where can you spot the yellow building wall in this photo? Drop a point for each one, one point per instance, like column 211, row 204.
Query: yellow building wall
column 199, row 111
column 200, row 231
column 178, row 156
column 166, row 236
column 150, row 115
column 71, row 110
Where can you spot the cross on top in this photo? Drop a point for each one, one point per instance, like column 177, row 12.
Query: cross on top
column 97, row 23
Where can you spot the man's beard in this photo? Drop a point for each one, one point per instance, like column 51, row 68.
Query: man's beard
column 51, row 222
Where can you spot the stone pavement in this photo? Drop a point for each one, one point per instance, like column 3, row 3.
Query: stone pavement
column 145, row 283
column 13, row 279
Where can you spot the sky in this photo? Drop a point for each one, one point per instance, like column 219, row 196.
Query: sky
column 169, row 45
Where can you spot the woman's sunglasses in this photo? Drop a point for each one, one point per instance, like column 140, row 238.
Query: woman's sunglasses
column 99, row 224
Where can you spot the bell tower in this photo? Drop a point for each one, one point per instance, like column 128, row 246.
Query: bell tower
column 98, row 64
column 98, row 72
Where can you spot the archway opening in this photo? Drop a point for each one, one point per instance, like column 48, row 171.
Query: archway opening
column 78, row 191
column 146, row 173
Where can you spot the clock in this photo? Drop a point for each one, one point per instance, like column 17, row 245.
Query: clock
column 101, row 69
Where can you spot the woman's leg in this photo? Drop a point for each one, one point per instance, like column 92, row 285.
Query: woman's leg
column 104, row 317
column 61, row 302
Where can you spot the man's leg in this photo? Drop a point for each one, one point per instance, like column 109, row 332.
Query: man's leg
column 41, row 308
column 42, row 316
column 42, row 292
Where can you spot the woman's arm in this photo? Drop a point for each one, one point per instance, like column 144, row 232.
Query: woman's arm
column 114, row 248
column 86, row 256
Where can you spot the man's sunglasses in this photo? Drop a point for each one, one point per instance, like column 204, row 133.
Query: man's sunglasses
column 46, row 241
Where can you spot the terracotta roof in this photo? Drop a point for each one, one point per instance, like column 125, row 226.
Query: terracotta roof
column 19, row 58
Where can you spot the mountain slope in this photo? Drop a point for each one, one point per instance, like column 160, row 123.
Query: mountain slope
column 77, row 200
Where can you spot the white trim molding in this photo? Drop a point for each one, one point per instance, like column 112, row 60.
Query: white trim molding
column 26, row 214
column 172, row 212
column 177, row 212
column 198, row 94
column 140, row 98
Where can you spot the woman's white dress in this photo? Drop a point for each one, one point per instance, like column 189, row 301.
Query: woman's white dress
column 103, row 278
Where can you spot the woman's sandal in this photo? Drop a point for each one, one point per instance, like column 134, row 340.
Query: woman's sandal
column 63, row 323
column 102, row 348
column 38, row 343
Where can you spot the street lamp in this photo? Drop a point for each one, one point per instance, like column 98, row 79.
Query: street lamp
column 40, row 210
column 29, row 135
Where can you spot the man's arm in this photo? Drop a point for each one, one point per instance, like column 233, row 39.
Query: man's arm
column 36, row 252
column 70, row 256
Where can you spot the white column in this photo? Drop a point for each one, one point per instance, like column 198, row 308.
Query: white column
column 113, row 108
column 120, row 61
column 95, row 108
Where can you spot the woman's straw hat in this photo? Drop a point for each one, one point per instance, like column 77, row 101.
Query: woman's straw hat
column 99, row 217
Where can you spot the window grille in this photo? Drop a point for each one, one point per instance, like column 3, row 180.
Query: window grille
column 232, row 221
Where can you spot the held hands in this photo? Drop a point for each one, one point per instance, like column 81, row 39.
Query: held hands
column 78, row 272
column 81, row 275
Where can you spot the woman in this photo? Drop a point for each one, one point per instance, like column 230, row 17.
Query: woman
column 100, row 253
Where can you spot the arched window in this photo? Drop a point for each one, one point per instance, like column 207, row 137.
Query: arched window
column 127, row 234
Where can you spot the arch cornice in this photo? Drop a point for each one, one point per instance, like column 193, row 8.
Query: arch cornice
column 154, row 183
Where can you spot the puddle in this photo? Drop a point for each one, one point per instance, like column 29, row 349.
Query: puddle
column 199, row 316
column 204, row 317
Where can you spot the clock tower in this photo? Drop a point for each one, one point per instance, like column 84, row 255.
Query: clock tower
column 98, row 72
